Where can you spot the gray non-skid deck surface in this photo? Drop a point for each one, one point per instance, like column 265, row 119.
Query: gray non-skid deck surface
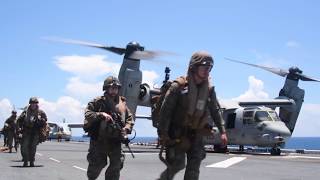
column 67, row 160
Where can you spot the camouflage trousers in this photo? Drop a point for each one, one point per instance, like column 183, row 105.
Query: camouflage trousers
column 29, row 143
column 5, row 138
column 10, row 137
column 99, row 153
column 176, row 157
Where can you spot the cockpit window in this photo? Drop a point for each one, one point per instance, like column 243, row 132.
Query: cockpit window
column 274, row 115
column 262, row 116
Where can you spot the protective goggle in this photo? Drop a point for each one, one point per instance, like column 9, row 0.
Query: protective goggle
column 206, row 67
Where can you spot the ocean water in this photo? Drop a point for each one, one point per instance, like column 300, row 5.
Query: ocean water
column 309, row 143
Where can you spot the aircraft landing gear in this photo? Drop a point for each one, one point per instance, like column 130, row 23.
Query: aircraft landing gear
column 275, row 151
column 220, row 149
column 241, row 148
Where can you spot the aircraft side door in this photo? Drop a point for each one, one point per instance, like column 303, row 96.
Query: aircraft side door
column 248, row 130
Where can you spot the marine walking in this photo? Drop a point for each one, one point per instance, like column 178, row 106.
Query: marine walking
column 184, row 119
column 107, row 121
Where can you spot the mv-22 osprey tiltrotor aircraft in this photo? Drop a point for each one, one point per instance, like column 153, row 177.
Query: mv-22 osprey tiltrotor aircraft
column 254, row 123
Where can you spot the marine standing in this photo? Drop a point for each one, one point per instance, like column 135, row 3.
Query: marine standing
column 30, row 122
column 10, row 124
column 184, row 118
column 107, row 120
column 5, row 135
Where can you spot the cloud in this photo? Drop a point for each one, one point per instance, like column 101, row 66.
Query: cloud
column 87, row 71
column 65, row 107
column 85, row 85
column 87, row 66
column 292, row 44
column 76, row 87
column 254, row 92
column 5, row 110
column 149, row 77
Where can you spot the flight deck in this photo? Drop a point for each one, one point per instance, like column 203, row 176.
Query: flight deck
column 67, row 160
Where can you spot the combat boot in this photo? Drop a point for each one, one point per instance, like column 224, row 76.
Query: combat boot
column 25, row 163
column 31, row 163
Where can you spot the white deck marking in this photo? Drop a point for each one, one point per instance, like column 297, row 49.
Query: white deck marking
column 39, row 154
column 302, row 157
column 228, row 162
column 55, row 160
column 82, row 169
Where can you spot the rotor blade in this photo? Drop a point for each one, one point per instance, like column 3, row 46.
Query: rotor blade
column 116, row 50
column 278, row 71
column 306, row 78
column 149, row 54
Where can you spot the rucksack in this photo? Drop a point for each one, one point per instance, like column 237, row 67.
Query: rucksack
column 157, row 100
column 44, row 133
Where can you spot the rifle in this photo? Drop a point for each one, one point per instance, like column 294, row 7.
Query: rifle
column 120, row 125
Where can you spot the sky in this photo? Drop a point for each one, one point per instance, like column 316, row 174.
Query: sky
column 66, row 77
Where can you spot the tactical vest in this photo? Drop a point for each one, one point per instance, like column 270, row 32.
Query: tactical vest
column 180, row 121
column 100, row 128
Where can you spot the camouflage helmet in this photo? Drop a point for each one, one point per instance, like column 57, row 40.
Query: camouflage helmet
column 200, row 58
column 33, row 100
column 111, row 81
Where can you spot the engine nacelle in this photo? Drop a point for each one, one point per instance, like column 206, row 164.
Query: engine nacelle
column 144, row 95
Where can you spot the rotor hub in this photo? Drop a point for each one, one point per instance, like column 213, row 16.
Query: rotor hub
column 134, row 46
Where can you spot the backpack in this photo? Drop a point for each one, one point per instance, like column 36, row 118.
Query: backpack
column 44, row 133
column 157, row 100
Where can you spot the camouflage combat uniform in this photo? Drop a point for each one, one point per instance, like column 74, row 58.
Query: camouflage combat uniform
column 184, row 130
column 5, row 135
column 30, row 122
column 105, row 140
column 11, row 121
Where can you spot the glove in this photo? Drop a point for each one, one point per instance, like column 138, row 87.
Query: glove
column 127, row 129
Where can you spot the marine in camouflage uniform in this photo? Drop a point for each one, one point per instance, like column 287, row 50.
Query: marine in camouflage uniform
column 11, row 129
column 101, row 116
column 184, row 119
column 5, row 136
column 30, row 121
